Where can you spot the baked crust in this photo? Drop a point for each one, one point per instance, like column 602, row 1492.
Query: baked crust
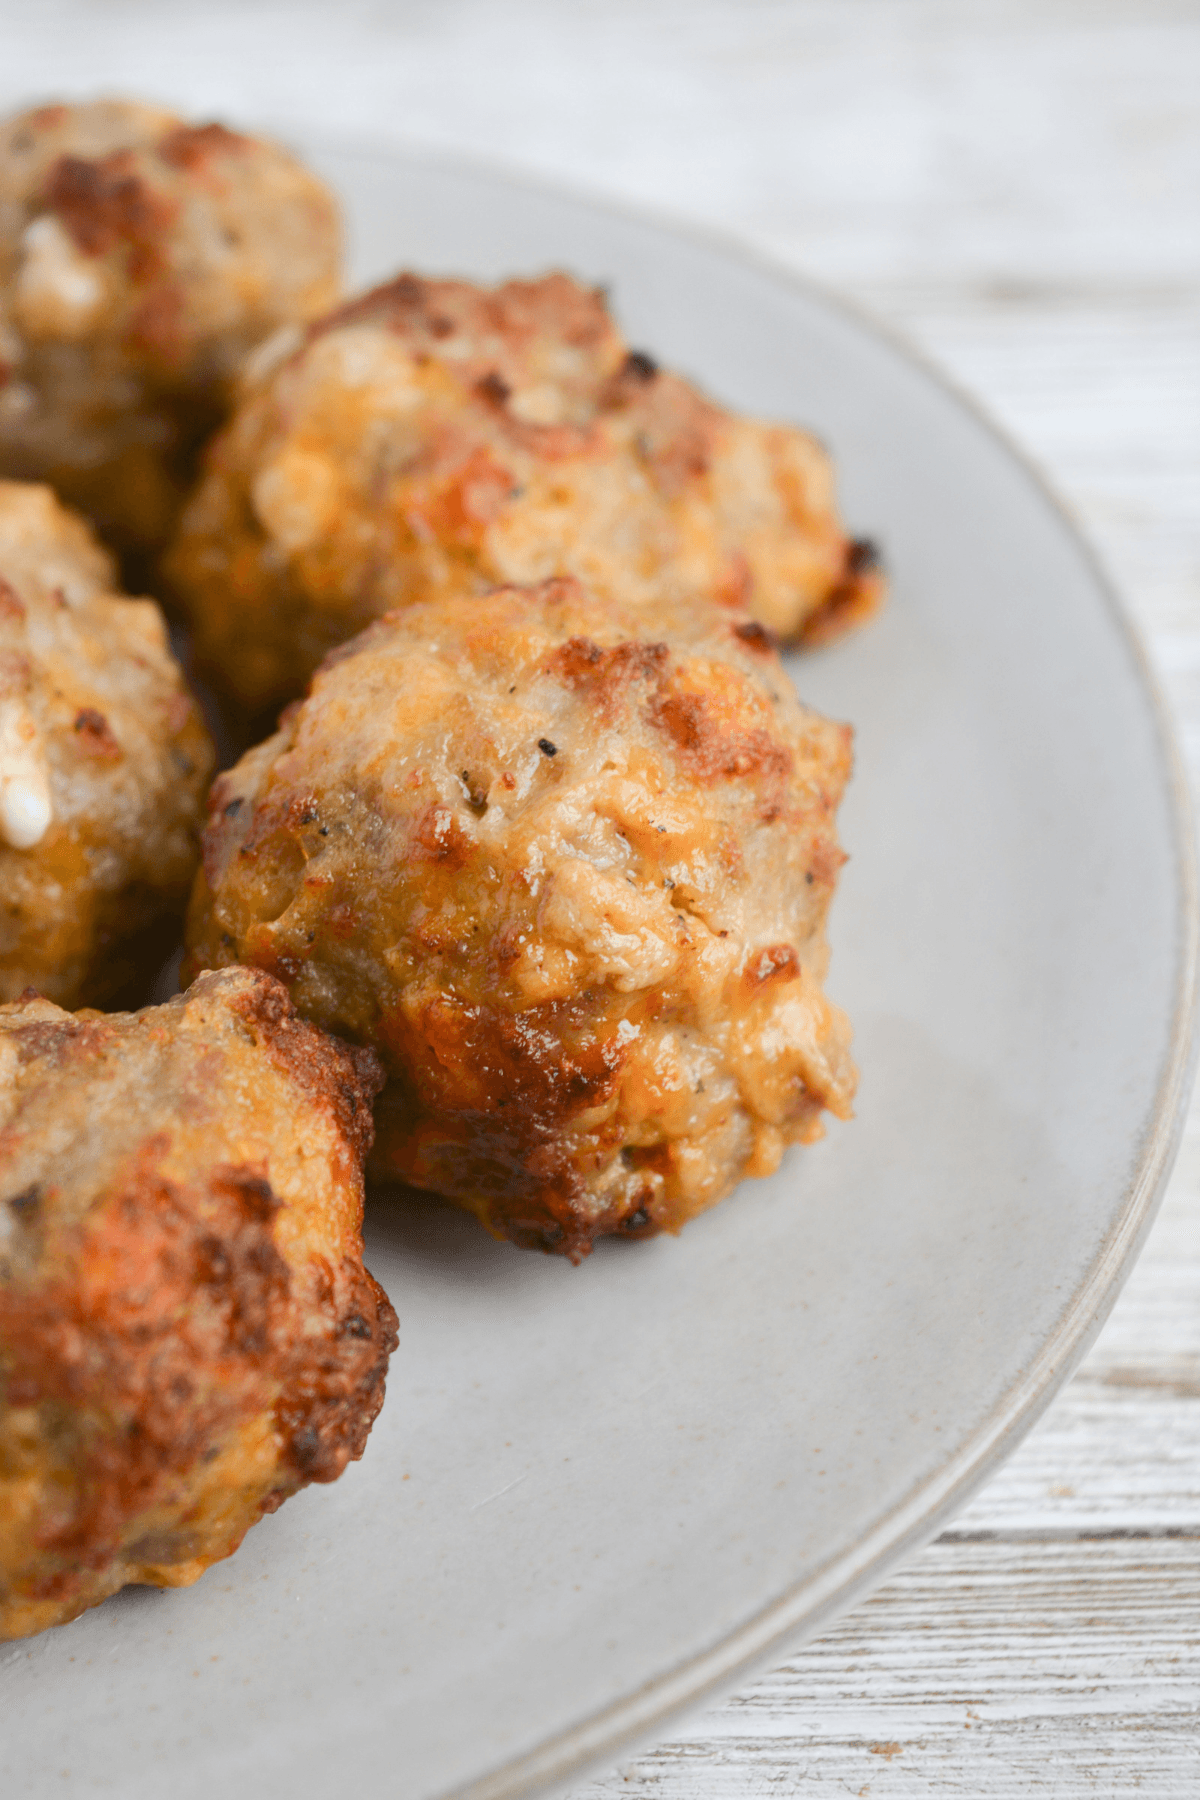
column 140, row 260
column 187, row 1333
column 571, row 881
column 104, row 765
column 434, row 434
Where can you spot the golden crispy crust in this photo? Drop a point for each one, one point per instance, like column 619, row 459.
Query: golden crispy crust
column 187, row 1333
column 140, row 260
column 433, row 434
column 571, row 881
column 96, row 721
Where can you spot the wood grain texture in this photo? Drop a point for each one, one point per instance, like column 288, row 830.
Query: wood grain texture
column 984, row 1669
column 1016, row 185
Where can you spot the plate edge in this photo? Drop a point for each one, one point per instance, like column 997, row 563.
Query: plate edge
column 802, row 1611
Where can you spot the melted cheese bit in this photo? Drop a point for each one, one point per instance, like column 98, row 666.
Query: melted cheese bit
column 58, row 288
column 25, row 806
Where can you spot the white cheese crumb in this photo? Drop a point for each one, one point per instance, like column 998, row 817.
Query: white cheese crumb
column 57, row 286
column 25, row 805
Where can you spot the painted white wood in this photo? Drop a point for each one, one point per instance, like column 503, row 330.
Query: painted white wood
column 1049, row 1642
column 1016, row 185
column 984, row 1670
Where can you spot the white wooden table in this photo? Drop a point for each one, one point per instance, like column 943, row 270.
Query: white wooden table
column 1016, row 185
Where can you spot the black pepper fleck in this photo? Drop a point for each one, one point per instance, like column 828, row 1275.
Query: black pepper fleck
column 641, row 366
column 863, row 555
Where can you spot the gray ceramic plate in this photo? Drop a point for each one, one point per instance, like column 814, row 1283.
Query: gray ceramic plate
column 597, row 1494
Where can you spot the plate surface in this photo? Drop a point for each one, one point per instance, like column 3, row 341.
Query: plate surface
column 596, row 1494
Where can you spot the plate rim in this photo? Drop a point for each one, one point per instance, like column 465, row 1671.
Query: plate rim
column 802, row 1609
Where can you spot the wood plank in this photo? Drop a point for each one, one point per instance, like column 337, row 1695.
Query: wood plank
column 1014, row 184
column 990, row 1671
column 1057, row 1623
column 1120, row 1447
column 1050, row 1641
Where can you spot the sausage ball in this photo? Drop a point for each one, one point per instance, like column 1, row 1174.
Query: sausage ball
column 434, row 434
column 187, row 1332
column 570, row 879
column 104, row 764
column 140, row 259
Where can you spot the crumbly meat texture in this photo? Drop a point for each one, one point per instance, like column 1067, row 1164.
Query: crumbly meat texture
column 140, row 260
column 571, row 882
column 104, row 765
column 435, row 432
column 187, row 1331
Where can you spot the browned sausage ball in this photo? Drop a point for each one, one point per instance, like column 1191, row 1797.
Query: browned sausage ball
column 187, row 1332
column 140, row 259
column 104, row 764
column 570, row 880
column 435, row 433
